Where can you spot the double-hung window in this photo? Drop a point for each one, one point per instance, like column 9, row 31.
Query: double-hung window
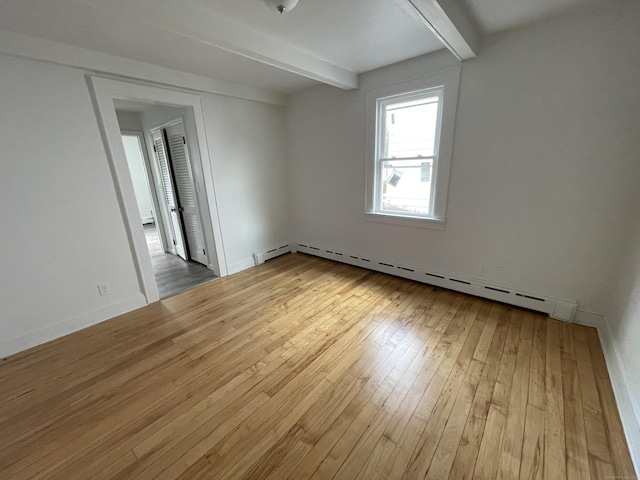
column 409, row 149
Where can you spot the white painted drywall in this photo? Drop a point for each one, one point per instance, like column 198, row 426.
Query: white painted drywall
column 132, row 149
column 545, row 160
column 63, row 229
column 623, row 319
column 249, row 163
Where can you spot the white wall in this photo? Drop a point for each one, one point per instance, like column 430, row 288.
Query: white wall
column 623, row 319
column 545, row 160
column 249, row 162
column 131, row 122
column 63, row 229
column 137, row 169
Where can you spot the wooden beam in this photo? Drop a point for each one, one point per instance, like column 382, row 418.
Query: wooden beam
column 451, row 24
column 26, row 46
column 201, row 24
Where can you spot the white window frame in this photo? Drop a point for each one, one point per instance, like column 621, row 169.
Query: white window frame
column 445, row 84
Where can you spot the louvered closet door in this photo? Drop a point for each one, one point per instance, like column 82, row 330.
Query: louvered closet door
column 186, row 192
column 169, row 194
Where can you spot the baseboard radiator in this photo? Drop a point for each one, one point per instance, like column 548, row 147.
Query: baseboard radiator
column 558, row 308
column 261, row 257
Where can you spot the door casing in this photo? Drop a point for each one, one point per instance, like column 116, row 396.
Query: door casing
column 103, row 93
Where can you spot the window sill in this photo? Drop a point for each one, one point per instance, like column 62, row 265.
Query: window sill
column 405, row 220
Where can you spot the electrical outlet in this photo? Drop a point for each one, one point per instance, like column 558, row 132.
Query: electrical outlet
column 484, row 271
column 103, row 289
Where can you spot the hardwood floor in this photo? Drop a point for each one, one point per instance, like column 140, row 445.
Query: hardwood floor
column 173, row 274
column 304, row 368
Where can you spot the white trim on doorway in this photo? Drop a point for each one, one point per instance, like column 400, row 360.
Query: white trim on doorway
column 104, row 91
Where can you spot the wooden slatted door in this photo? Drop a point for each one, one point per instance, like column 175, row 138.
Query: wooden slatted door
column 186, row 192
column 169, row 193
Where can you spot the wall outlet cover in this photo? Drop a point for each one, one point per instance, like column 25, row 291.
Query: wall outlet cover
column 103, row 289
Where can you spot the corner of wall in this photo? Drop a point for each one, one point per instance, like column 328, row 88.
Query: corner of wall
column 627, row 407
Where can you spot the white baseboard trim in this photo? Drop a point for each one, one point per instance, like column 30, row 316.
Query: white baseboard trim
column 627, row 407
column 240, row 266
column 24, row 342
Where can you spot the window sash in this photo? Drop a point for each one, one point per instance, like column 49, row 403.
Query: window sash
column 386, row 102
column 382, row 105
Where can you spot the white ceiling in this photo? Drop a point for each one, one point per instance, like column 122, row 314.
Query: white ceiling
column 108, row 31
column 358, row 35
column 497, row 15
column 242, row 41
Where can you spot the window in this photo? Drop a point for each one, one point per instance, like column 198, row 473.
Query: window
column 409, row 148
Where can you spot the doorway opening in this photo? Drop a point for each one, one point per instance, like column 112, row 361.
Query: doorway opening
column 166, row 184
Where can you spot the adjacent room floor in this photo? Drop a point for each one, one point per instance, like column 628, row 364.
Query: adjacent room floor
column 173, row 274
column 304, row 368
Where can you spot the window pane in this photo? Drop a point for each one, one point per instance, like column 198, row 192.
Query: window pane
column 410, row 128
column 406, row 186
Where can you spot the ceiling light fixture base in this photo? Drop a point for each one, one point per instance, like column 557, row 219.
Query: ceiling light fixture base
column 281, row 6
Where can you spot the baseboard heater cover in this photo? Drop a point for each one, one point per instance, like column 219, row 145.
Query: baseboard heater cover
column 260, row 257
column 558, row 308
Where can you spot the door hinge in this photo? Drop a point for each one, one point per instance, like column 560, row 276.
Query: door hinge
column 155, row 149
column 203, row 252
column 174, row 241
column 184, row 141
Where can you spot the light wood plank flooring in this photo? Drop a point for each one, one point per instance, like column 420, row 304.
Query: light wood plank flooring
column 303, row 368
column 173, row 274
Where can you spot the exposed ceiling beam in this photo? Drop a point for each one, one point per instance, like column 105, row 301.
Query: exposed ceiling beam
column 205, row 26
column 26, row 46
column 451, row 24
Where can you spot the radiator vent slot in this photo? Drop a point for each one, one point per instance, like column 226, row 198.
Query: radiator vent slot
column 407, row 269
column 314, row 248
column 356, row 258
column 283, row 247
column 365, row 259
column 336, row 253
column 386, row 264
column 434, row 275
column 459, row 281
column 272, row 250
column 497, row 289
column 329, row 251
column 301, row 245
column 530, row 297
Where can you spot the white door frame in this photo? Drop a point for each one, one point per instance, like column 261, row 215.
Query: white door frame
column 104, row 91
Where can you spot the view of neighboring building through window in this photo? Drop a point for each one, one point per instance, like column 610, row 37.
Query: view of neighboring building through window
column 407, row 152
